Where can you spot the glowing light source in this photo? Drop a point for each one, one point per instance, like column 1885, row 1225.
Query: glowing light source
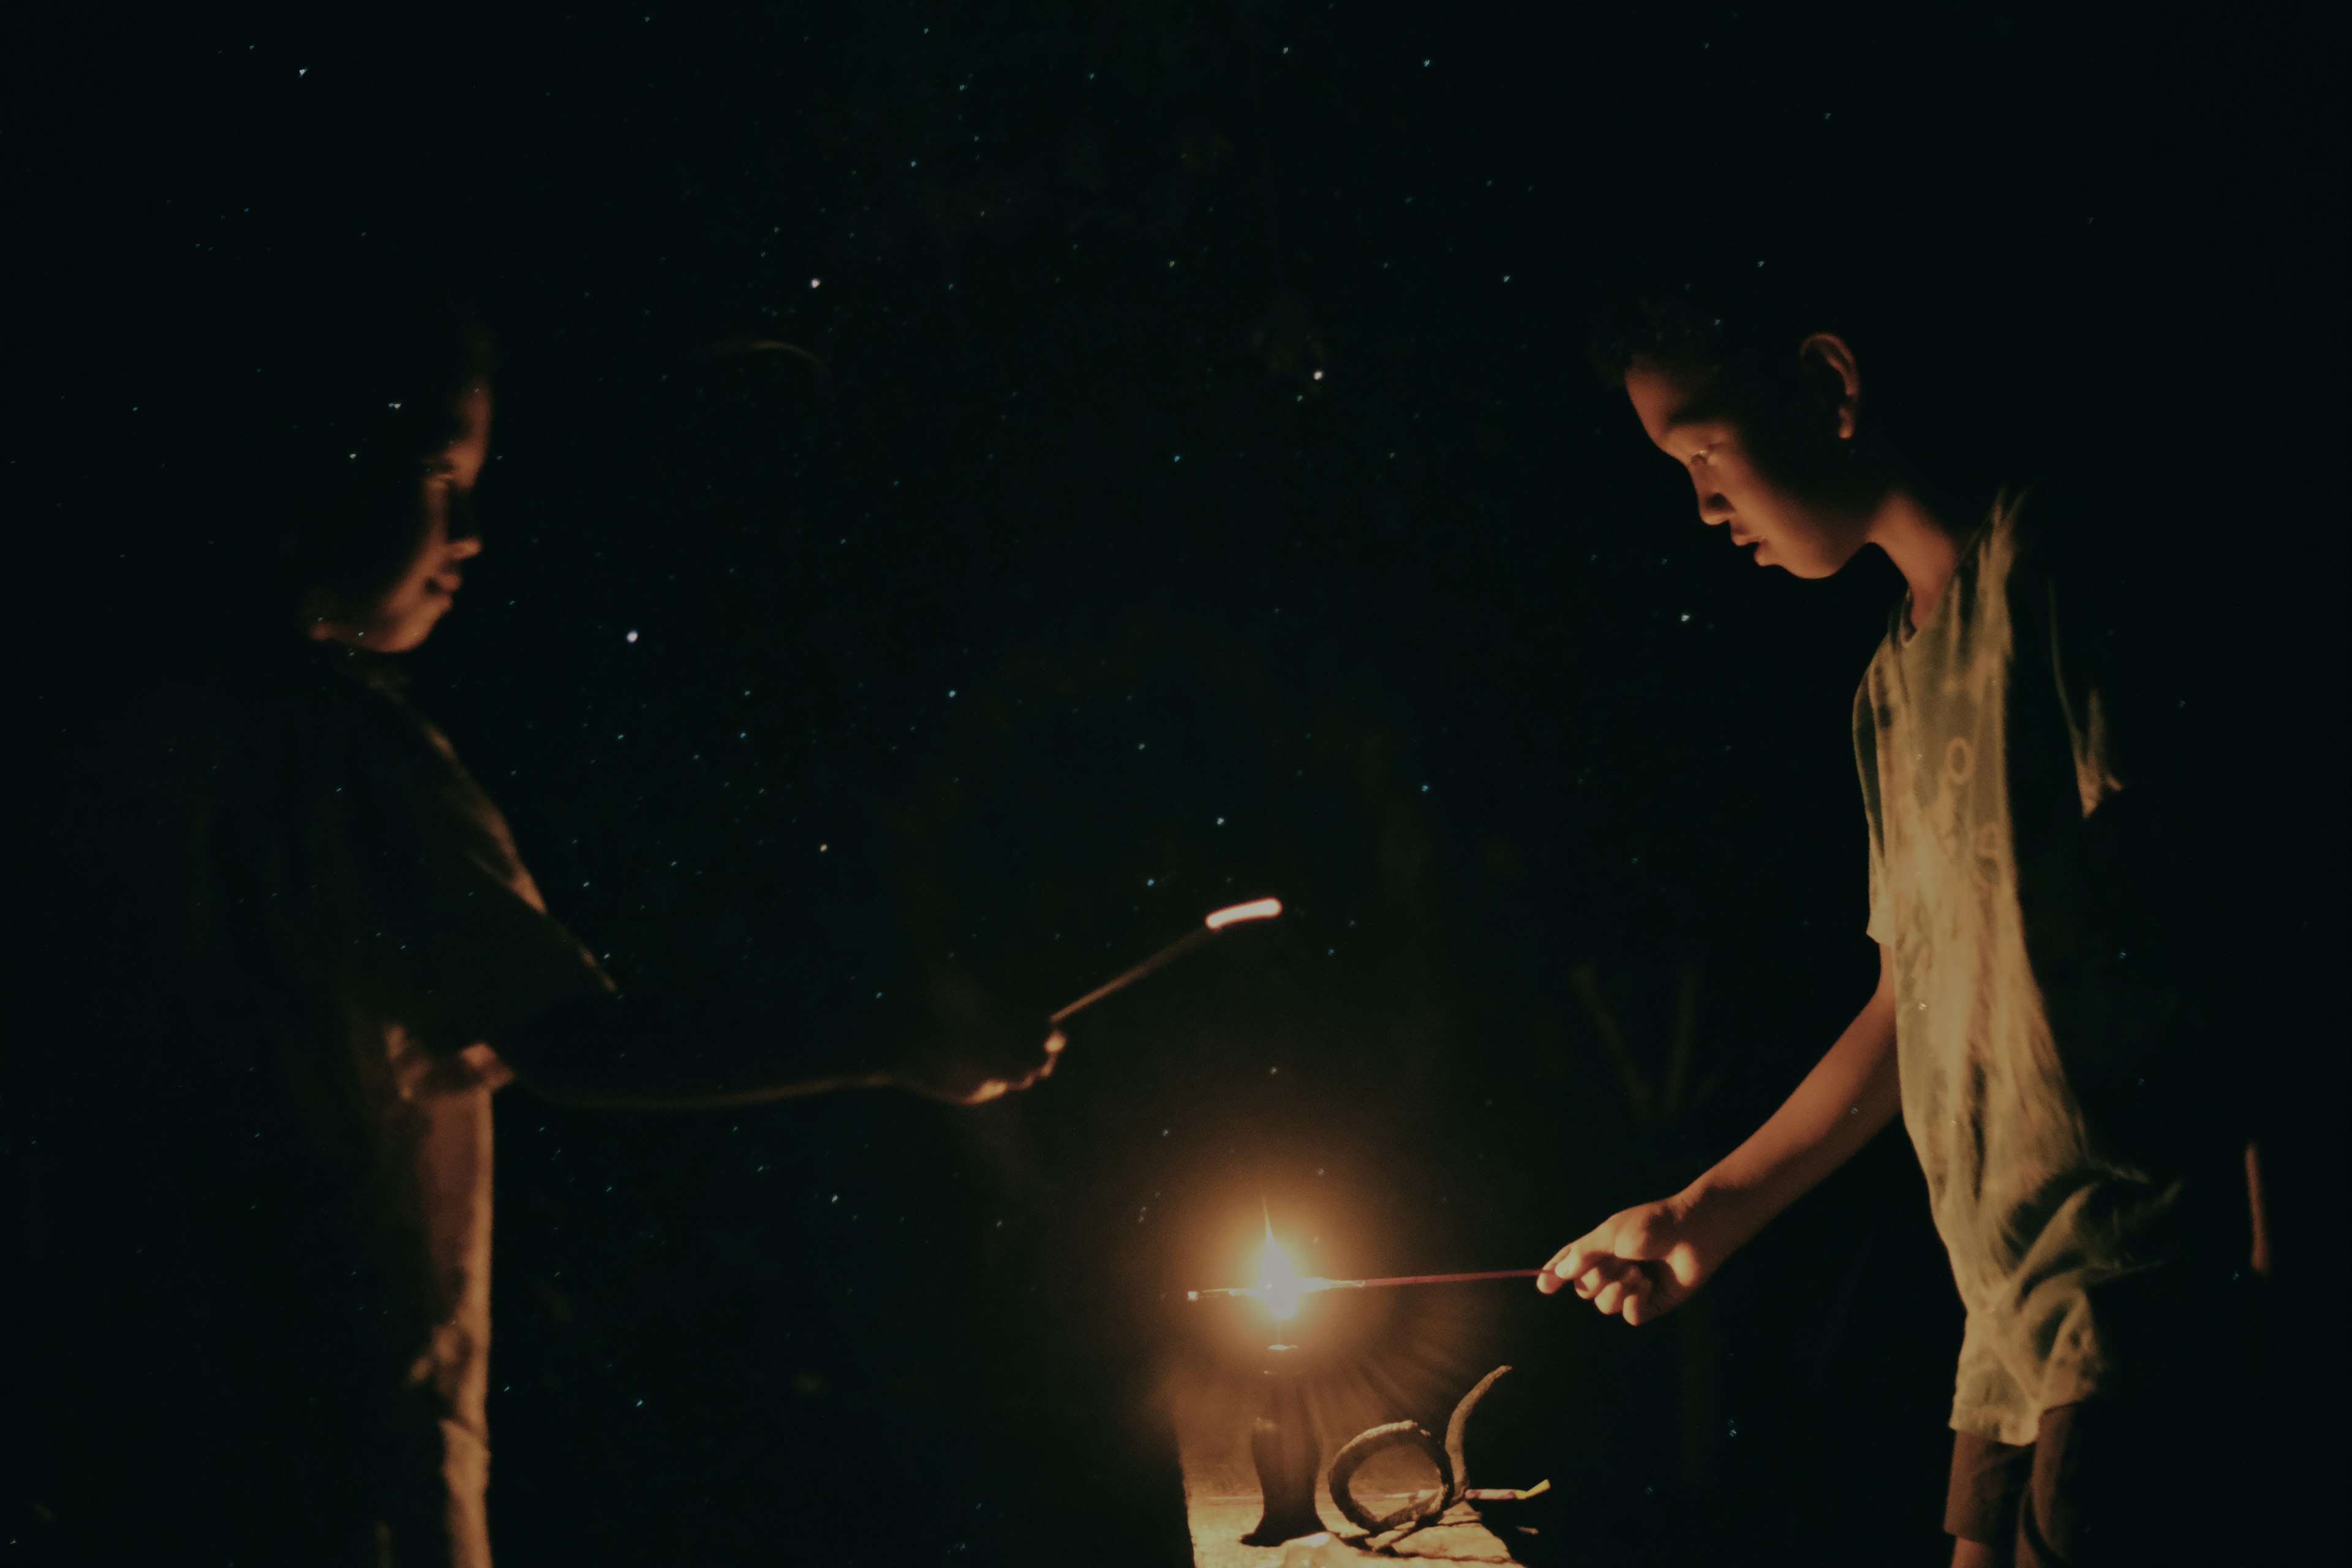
column 1278, row 1279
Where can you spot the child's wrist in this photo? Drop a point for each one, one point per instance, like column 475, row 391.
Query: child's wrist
column 1720, row 1215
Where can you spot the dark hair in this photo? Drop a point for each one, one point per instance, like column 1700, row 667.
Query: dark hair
column 1696, row 318
column 1741, row 315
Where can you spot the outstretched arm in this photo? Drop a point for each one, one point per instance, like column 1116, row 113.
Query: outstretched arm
column 1645, row 1261
column 656, row 1052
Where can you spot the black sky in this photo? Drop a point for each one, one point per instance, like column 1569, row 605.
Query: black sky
column 1203, row 493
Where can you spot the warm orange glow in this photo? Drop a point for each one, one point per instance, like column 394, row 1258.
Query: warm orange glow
column 1256, row 909
column 1277, row 1280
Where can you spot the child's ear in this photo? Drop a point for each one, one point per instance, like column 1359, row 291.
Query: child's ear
column 1828, row 364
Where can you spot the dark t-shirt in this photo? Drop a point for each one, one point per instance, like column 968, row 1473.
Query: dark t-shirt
column 268, row 920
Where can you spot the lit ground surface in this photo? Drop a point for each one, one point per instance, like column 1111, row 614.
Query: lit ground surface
column 1220, row 1494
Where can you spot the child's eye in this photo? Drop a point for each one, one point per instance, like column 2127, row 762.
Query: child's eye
column 1704, row 455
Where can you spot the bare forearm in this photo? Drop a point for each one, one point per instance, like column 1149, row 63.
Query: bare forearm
column 1851, row 1093
column 652, row 1052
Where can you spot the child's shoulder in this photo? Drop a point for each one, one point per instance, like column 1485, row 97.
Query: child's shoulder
column 214, row 713
column 2043, row 523
column 2112, row 604
column 2053, row 551
column 2091, row 539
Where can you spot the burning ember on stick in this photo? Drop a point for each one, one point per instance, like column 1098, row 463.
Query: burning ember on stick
column 1278, row 1279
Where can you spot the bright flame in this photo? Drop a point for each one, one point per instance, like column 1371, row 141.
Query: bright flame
column 1233, row 914
column 1277, row 1281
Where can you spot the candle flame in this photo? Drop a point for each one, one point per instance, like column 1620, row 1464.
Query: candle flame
column 1233, row 914
column 1277, row 1280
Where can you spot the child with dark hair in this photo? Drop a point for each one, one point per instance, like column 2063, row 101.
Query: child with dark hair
column 274, row 951
column 2042, row 1021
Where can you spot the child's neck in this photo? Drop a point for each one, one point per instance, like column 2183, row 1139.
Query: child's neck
column 1923, row 548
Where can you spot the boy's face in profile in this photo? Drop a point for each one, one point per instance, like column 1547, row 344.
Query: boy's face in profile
column 403, row 613
column 1808, row 531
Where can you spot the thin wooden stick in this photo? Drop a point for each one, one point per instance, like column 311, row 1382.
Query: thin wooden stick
column 1438, row 1279
column 1309, row 1286
column 1235, row 914
column 1166, row 955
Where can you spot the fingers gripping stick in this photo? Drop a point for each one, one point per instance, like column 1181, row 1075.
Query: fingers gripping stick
column 1641, row 1263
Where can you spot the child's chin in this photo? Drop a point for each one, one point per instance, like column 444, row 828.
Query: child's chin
column 409, row 633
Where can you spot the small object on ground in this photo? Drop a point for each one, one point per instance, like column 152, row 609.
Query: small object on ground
column 1419, row 1510
column 1452, row 1467
column 1282, row 1442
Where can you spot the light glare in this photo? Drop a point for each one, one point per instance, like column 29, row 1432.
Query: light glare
column 1277, row 1280
column 1256, row 909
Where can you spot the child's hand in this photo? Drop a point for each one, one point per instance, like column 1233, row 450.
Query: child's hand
column 1643, row 1262
column 421, row 1074
column 973, row 1071
column 972, row 1047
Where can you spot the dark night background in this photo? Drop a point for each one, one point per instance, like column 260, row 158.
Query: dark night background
column 1204, row 494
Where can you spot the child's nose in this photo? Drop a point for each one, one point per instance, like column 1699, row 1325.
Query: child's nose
column 466, row 548
column 1713, row 506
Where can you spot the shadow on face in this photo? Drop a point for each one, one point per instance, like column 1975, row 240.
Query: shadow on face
column 424, row 584
column 1768, row 465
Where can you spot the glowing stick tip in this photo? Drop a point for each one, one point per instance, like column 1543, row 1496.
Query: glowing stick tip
column 1233, row 914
